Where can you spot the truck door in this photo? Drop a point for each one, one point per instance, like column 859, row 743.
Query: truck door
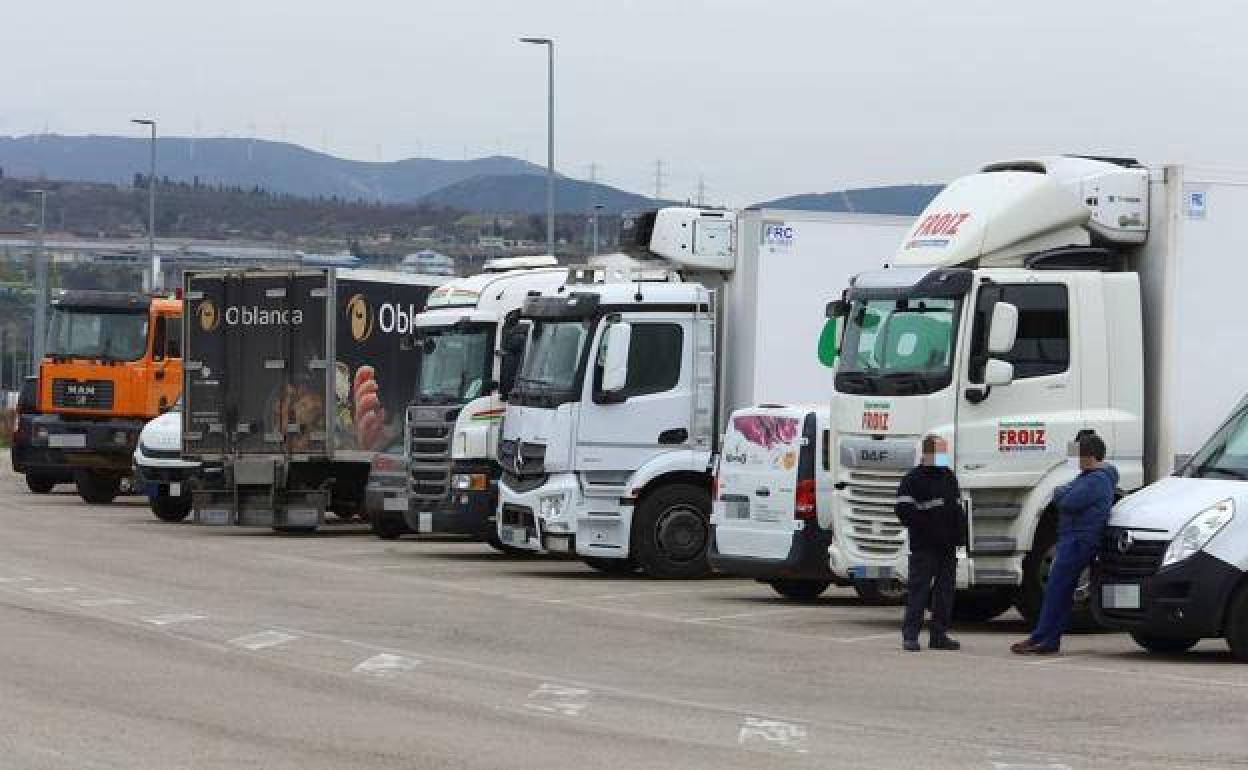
column 206, row 372
column 1016, row 433
column 657, row 411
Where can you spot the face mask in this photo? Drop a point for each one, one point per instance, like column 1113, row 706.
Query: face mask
column 941, row 459
column 1072, row 456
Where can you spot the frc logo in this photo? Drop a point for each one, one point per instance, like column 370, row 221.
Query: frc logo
column 875, row 416
column 1022, row 437
column 360, row 318
column 209, row 318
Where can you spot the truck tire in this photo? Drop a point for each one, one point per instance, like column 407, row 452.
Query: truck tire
column 880, row 593
column 611, row 566
column 96, row 488
column 1237, row 625
column 173, row 509
column 385, row 526
column 39, row 483
column 983, row 604
column 1036, row 571
column 671, row 532
column 1163, row 645
column 799, row 590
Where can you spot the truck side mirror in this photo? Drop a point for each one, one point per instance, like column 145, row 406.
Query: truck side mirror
column 616, row 341
column 998, row 373
column 837, row 308
column 1004, row 328
column 514, row 339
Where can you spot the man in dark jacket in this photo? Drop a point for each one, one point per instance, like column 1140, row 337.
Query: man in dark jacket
column 929, row 504
column 1082, row 509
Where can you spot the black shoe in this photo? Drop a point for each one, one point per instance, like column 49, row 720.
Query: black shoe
column 944, row 643
column 910, row 645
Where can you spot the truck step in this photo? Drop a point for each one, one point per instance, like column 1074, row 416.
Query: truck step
column 997, row 577
column 1003, row 511
column 988, row 545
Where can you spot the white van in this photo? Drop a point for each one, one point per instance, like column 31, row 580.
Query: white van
column 1172, row 566
column 771, row 518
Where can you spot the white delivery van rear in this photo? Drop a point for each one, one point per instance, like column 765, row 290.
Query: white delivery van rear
column 771, row 518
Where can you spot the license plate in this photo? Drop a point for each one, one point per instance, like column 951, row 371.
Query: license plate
column 67, row 440
column 1120, row 596
column 872, row 573
column 394, row 504
column 513, row 536
column 559, row 544
column 175, row 489
column 734, row 509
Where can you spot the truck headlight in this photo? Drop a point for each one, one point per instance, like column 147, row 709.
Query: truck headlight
column 470, row 482
column 1197, row 533
column 550, row 507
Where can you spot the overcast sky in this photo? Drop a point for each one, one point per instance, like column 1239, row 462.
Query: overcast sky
column 763, row 98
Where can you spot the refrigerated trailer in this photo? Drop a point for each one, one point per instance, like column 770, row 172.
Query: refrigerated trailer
column 294, row 380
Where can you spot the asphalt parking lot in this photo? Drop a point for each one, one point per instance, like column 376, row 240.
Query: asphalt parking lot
column 129, row 642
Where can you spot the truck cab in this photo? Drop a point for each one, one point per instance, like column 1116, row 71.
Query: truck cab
column 1174, row 564
column 468, row 342
column 113, row 360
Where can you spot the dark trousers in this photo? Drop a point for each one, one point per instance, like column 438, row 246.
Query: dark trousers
column 1072, row 558
column 933, row 575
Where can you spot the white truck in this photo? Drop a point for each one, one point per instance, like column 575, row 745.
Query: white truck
column 1029, row 301
column 447, row 481
column 611, row 430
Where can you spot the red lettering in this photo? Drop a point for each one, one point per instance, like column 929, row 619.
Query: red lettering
column 957, row 222
column 945, row 221
column 1040, row 437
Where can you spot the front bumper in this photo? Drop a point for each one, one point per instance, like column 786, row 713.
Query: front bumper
column 847, row 565
column 155, row 477
column 807, row 558
column 1184, row 600
column 464, row 512
column 519, row 524
column 54, row 445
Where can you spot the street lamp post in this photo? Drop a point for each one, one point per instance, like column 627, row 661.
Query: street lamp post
column 153, row 279
column 41, row 285
column 550, row 137
column 597, row 208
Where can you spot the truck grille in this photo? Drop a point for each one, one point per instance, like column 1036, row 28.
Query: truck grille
column 871, row 524
column 529, row 460
column 82, row 394
column 429, row 453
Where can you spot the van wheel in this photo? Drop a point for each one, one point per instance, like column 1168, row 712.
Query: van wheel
column 611, row 566
column 1163, row 645
column 169, row 508
column 800, row 590
column 96, row 488
column 982, row 605
column 1237, row 625
column 880, row 592
column 39, row 483
column 671, row 532
column 1036, row 568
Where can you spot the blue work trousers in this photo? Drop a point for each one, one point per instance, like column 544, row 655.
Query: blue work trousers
column 1073, row 557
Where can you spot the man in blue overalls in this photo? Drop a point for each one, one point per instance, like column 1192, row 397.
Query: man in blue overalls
column 1082, row 509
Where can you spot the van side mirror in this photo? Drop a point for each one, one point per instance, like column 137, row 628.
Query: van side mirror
column 616, row 341
column 998, row 373
column 1004, row 328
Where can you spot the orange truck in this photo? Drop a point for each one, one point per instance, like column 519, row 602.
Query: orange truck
column 113, row 360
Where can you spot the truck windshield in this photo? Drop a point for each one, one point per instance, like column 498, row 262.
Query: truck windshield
column 455, row 362
column 1225, row 456
column 95, row 334
column 898, row 346
column 553, row 361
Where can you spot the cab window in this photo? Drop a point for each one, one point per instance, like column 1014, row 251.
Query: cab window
column 654, row 358
column 1042, row 346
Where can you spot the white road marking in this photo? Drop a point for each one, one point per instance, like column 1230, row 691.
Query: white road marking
column 1045, row 661
column 1019, row 760
column 772, row 733
column 112, row 601
column 865, row 638
column 755, row 614
column 386, row 666
column 559, row 699
column 172, row 618
column 15, row 579
column 263, row 640
column 52, row 590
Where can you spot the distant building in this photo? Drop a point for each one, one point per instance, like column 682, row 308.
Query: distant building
column 428, row 262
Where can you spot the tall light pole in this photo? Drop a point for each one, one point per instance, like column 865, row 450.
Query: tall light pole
column 41, row 286
column 153, row 279
column 597, row 208
column 550, row 137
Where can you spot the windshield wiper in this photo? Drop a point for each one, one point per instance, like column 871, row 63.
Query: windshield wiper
column 1230, row 472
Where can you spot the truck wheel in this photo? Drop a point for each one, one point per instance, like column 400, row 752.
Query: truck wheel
column 880, row 592
column 169, row 508
column 611, row 566
column 1036, row 568
column 1163, row 645
column 39, row 483
column 385, row 526
column 96, row 488
column 982, row 605
column 800, row 590
column 1237, row 625
column 671, row 532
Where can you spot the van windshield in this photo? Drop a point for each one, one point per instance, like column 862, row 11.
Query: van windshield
column 1225, row 456
column 899, row 346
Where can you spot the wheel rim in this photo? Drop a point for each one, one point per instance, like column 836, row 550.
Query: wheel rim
column 680, row 533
